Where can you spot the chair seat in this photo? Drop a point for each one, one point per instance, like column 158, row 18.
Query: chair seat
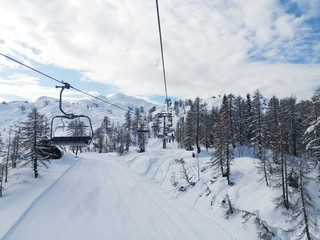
column 70, row 141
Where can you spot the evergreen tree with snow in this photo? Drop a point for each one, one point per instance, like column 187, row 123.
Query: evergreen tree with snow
column 1, row 165
column 218, row 159
column 281, row 156
column 315, row 99
column 16, row 146
column 224, row 140
column 135, row 125
column 258, row 133
column 33, row 133
column 240, row 121
column 98, row 140
column 248, row 119
column 311, row 136
column 190, row 129
column 180, row 132
column 207, row 126
column 301, row 209
column 76, row 128
column 127, row 130
column 1, row 148
column 312, row 139
column 272, row 119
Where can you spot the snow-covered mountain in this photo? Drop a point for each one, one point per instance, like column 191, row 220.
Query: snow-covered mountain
column 15, row 112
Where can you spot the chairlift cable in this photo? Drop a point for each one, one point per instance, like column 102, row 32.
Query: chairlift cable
column 33, row 69
column 162, row 55
column 62, row 82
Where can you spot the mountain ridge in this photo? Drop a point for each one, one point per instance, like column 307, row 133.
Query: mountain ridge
column 15, row 112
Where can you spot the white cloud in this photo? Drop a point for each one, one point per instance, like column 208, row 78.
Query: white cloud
column 209, row 46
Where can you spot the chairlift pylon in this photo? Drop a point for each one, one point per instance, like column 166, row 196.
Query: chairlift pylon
column 65, row 139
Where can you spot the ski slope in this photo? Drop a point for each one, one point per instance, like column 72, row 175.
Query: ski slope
column 97, row 196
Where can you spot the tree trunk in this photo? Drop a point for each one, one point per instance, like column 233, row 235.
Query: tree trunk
column 265, row 170
column 35, row 167
column 8, row 154
column 228, row 165
column 305, row 216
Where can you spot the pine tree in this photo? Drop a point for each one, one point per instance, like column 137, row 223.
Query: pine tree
column 76, row 128
column 316, row 104
column 8, row 157
column 180, row 132
column 312, row 139
column 207, row 129
column 312, row 134
column 240, row 121
column 272, row 117
column 303, row 206
column 190, row 130
column 119, row 140
column 281, row 150
column 1, row 147
column 33, row 133
column 1, row 165
column 258, row 139
column 248, row 120
column 218, row 160
column 135, row 125
column 199, row 122
column 292, row 119
column 224, row 140
column 16, row 147
column 98, row 139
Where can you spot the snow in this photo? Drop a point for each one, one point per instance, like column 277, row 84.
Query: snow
column 96, row 197
column 106, row 196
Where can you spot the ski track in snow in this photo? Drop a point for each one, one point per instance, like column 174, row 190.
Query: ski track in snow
column 34, row 203
column 156, row 165
column 100, row 197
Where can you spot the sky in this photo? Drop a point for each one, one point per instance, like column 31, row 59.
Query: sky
column 211, row 47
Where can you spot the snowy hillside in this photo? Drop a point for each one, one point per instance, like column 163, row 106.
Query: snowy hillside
column 96, row 197
column 15, row 112
column 251, row 199
column 138, row 196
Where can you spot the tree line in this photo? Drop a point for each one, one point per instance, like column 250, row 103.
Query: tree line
column 283, row 134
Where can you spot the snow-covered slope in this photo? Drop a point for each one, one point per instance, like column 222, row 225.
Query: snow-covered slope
column 96, row 197
column 247, row 195
column 136, row 196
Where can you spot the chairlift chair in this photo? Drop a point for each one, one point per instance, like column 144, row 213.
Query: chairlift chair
column 143, row 130
column 66, row 140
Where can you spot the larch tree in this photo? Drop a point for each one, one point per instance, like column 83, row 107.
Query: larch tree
column 1, row 166
column 272, row 117
column 33, row 133
column 180, row 132
column 258, row 134
column 190, row 130
column 218, row 159
column 248, row 120
column 224, row 140
column 281, row 150
column 135, row 125
column 301, row 209
column 240, row 121
column 76, row 128
column 127, row 130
